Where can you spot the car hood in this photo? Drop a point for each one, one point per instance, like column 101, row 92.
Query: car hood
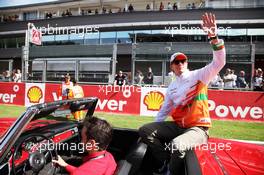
column 249, row 157
column 222, row 156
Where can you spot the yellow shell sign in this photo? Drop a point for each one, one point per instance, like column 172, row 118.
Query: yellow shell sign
column 34, row 94
column 154, row 100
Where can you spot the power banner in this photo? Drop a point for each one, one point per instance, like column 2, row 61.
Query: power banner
column 119, row 99
column 236, row 105
column 12, row 93
column 110, row 98
column 233, row 105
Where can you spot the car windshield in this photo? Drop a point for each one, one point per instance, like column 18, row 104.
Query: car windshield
column 60, row 114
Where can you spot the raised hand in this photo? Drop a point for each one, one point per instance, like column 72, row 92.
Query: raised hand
column 209, row 24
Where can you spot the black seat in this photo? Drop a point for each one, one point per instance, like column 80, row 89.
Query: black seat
column 123, row 167
column 131, row 165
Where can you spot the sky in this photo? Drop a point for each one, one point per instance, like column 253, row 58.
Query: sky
column 6, row 3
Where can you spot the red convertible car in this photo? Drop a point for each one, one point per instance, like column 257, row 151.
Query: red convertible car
column 23, row 142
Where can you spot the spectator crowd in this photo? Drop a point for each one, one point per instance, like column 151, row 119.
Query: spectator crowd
column 104, row 10
column 14, row 76
column 122, row 79
column 230, row 80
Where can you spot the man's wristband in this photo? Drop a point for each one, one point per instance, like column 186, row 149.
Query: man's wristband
column 217, row 45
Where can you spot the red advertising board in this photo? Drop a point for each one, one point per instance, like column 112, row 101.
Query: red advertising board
column 12, row 93
column 236, row 105
column 52, row 92
column 110, row 98
column 115, row 98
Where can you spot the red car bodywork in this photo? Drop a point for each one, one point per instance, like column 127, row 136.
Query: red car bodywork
column 231, row 157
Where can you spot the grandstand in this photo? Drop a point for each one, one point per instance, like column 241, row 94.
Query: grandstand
column 93, row 39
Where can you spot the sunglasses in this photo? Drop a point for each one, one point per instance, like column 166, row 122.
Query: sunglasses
column 179, row 61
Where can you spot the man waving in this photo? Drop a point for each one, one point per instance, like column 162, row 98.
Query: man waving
column 187, row 102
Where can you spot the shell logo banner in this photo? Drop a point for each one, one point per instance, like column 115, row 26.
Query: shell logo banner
column 34, row 93
column 152, row 99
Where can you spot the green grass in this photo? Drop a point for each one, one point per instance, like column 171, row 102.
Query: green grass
column 238, row 130
column 11, row 110
column 220, row 129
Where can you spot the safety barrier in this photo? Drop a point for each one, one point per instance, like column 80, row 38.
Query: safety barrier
column 144, row 101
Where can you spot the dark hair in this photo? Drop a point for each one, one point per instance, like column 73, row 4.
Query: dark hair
column 99, row 130
column 74, row 81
